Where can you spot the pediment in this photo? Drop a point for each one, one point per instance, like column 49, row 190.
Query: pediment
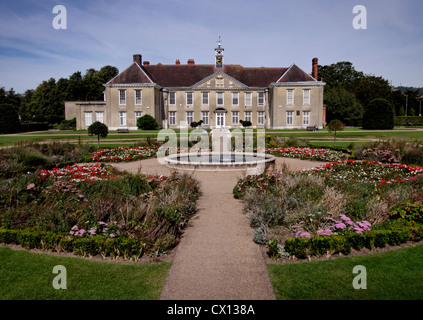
column 218, row 80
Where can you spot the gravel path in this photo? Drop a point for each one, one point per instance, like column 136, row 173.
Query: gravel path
column 216, row 258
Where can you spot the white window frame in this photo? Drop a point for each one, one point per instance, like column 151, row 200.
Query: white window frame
column 205, row 117
column 172, row 96
column 289, row 97
column 190, row 103
column 248, row 116
column 235, row 99
column 172, row 117
column 88, row 118
column 248, row 99
column 260, row 117
column 122, row 118
column 138, row 100
column 235, row 117
column 122, row 100
column 99, row 116
column 306, row 97
column 220, row 95
column 261, row 96
column 190, row 117
column 205, row 98
column 306, row 118
column 138, row 114
column 290, row 118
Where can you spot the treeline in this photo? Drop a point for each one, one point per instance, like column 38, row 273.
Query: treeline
column 348, row 94
column 46, row 104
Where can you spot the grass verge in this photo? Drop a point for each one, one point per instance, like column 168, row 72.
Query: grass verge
column 29, row 276
column 392, row 275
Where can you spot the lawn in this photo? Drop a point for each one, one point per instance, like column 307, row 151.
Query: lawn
column 317, row 139
column 392, row 275
column 29, row 276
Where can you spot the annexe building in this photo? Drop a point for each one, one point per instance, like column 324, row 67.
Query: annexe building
column 220, row 95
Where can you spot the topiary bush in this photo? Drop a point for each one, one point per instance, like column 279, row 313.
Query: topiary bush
column 379, row 114
column 147, row 122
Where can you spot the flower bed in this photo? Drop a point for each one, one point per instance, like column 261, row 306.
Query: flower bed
column 367, row 171
column 333, row 226
column 123, row 154
column 79, row 173
column 316, row 154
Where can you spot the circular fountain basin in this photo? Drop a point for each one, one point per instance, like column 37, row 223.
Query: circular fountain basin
column 216, row 161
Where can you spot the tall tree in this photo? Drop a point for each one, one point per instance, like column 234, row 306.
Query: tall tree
column 340, row 73
column 368, row 88
column 343, row 105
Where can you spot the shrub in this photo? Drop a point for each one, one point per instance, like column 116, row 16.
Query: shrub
column 245, row 124
column 335, row 126
column 147, row 122
column 9, row 120
column 327, row 245
column 409, row 211
column 68, row 124
column 379, row 114
column 98, row 129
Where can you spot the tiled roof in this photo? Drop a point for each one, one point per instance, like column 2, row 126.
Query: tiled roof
column 187, row 75
column 255, row 77
column 178, row 75
column 133, row 74
column 295, row 74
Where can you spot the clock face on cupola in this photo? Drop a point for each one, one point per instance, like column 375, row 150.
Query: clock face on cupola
column 219, row 54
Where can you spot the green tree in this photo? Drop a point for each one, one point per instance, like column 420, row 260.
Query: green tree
column 98, row 129
column 147, row 122
column 45, row 102
column 335, row 126
column 379, row 115
column 9, row 119
column 368, row 88
column 342, row 104
column 340, row 73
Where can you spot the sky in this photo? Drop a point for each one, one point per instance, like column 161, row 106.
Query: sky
column 254, row 33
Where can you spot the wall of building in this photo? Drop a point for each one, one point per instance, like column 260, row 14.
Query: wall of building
column 280, row 107
column 181, row 108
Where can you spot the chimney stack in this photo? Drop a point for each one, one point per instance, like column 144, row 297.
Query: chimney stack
column 146, row 63
column 138, row 59
column 177, row 61
column 191, row 61
column 314, row 68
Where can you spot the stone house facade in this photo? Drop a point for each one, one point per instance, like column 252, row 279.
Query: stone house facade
column 220, row 95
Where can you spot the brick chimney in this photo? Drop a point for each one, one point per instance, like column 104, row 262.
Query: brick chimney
column 191, row 61
column 138, row 59
column 314, row 68
column 146, row 63
column 177, row 61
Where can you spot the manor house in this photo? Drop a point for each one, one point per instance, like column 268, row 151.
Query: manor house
column 220, row 95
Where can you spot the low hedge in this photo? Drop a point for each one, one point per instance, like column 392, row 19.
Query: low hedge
column 122, row 247
column 326, row 245
column 415, row 120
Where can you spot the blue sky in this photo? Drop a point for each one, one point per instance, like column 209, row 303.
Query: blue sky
column 255, row 33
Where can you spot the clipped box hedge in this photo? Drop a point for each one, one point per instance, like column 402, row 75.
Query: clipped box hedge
column 415, row 120
column 120, row 247
column 303, row 248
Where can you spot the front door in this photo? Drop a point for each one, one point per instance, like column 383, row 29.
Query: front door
column 220, row 120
